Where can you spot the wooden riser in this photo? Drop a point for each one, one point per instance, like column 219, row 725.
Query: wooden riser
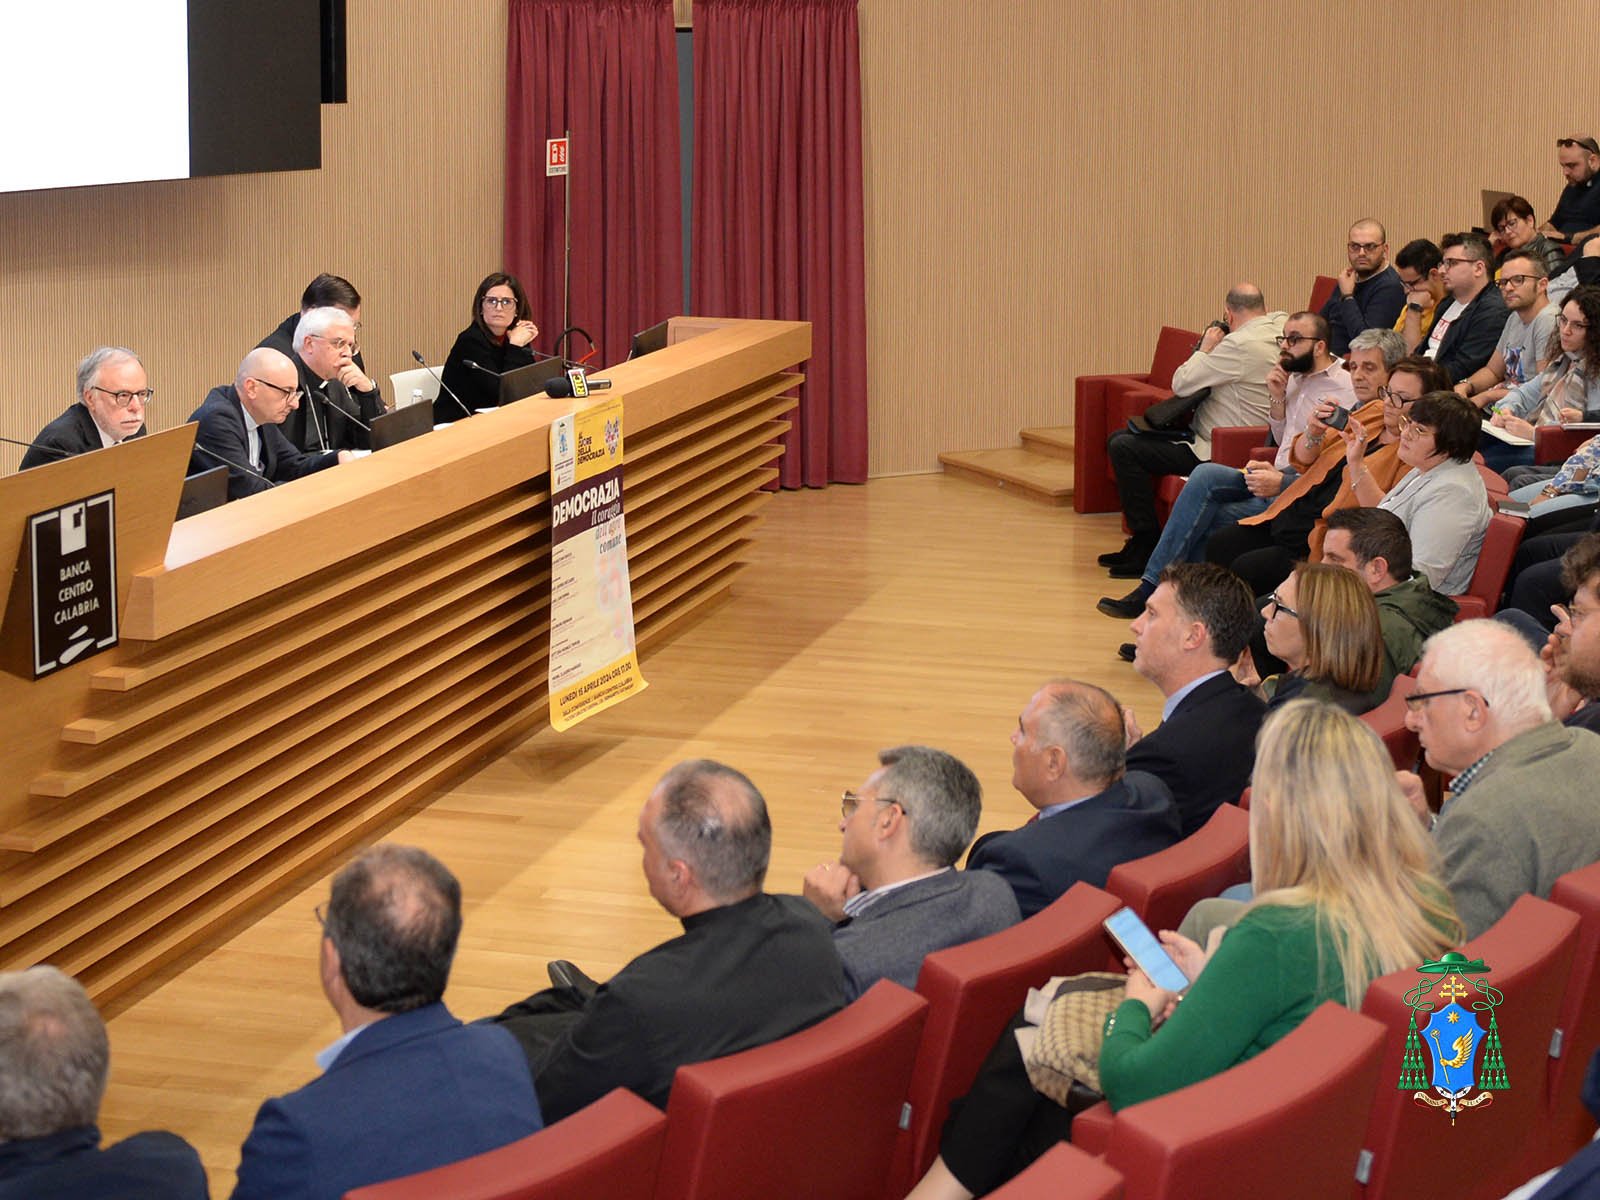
column 1053, row 441
column 1039, row 477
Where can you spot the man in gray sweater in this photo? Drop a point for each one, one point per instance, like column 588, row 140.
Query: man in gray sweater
column 894, row 895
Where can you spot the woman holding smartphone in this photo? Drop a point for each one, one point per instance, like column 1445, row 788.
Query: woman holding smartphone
column 1347, row 888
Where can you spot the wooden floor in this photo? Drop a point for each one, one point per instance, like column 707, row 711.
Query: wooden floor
column 913, row 609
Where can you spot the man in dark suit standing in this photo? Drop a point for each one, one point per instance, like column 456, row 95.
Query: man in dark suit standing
column 407, row 1087
column 893, row 894
column 54, row 1056
column 112, row 394
column 239, row 428
column 1195, row 625
column 1067, row 760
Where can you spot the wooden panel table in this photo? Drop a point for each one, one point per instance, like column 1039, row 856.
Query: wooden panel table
column 299, row 668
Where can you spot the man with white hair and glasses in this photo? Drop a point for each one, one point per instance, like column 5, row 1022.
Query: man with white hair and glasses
column 1520, row 812
column 112, row 394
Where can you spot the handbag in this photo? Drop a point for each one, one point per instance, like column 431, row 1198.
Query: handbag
column 1169, row 418
column 1063, row 1061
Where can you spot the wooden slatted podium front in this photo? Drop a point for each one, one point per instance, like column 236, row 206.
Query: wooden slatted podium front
column 298, row 668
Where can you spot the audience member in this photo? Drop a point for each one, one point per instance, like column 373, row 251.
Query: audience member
column 1348, row 889
column 1518, row 233
column 1369, row 294
column 1233, row 364
column 1374, row 544
column 112, row 394
column 1069, row 763
column 1536, row 573
column 749, row 967
column 1307, row 376
column 54, row 1057
column 331, row 425
column 1263, row 548
column 239, row 428
column 498, row 340
column 1528, row 341
column 1520, row 811
column 1322, row 623
column 1577, row 212
column 893, row 894
column 1464, row 332
column 1420, row 274
column 1442, row 498
column 407, row 1087
column 1579, row 1178
column 1194, row 627
column 1576, row 640
column 1567, row 388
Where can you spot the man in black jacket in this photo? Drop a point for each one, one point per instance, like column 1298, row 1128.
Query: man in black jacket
column 112, row 394
column 1466, row 328
column 1194, row 627
column 239, row 428
column 351, row 394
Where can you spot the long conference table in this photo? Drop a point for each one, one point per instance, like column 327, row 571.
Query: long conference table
column 301, row 667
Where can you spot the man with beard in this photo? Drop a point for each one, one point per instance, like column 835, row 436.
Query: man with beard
column 1465, row 331
column 1369, row 294
column 1307, row 377
column 1572, row 654
column 1577, row 212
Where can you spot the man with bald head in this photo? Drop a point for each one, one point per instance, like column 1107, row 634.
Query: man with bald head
column 749, row 967
column 1232, row 359
column 1068, row 761
column 239, row 427
column 112, row 394
column 1369, row 294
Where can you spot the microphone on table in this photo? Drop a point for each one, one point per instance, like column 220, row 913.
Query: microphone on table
column 56, row 450
column 343, row 412
column 228, row 462
column 561, row 386
column 422, row 362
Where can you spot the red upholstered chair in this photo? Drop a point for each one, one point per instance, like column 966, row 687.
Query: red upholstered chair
column 1569, row 1124
column 1095, row 417
column 1500, row 542
column 1529, row 953
column 973, row 991
column 813, row 1114
column 1555, row 443
column 612, row 1148
column 1388, row 721
column 1063, row 1173
column 1287, row 1122
column 1494, row 483
column 1321, row 288
column 1163, row 886
column 1231, row 445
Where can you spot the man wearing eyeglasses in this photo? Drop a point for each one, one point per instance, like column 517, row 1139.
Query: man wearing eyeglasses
column 1577, row 212
column 1527, row 342
column 893, row 895
column 359, row 396
column 1521, row 809
column 337, row 411
column 239, row 427
column 1369, row 294
column 112, row 394
column 1465, row 331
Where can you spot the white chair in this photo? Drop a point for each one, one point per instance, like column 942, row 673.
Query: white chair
column 406, row 382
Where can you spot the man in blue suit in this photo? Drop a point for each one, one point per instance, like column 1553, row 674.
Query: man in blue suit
column 1067, row 760
column 54, row 1056
column 407, row 1087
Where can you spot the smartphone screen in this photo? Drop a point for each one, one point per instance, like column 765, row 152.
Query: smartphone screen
column 1136, row 940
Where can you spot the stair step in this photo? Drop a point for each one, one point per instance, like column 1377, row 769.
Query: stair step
column 1040, row 477
column 1053, row 440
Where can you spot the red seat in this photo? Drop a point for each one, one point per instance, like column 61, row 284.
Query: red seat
column 1388, row 721
column 1493, row 482
column 1287, row 1122
column 1162, row 887
column 1095, row 417
column 1556, row 443
column 1569, row 1124
column 813, row 1114
column 973, row 991
column 1321, row 288
column 1500, row 542
column 1063, row 1172
column 612, row 1148
column 1231, row 445
column 1529, row 953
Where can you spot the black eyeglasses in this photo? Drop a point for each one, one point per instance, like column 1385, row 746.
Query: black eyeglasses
column 1278, row 606
column 1588, row 143
column 849, row 802
column 1416, row 700
column 1387, row 394
column 1506, row 281
column 500, row 301
column 292, row 393
column 1291, row 340
column 1447, row 263
column 124, row 399
column 1369, row 247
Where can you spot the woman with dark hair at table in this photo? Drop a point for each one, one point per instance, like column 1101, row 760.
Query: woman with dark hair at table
column 498, row 340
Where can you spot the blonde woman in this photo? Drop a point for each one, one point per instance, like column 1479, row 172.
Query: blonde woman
column 1347, row 889
column 1322, row 622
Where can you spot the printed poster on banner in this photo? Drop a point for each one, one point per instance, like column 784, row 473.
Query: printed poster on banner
column 593, row 664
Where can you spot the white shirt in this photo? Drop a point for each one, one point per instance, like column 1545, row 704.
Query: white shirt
column 1442, row 327
column 252, row 435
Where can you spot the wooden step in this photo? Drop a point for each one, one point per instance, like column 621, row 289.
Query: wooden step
column 1052, row 440
column 1036, row 476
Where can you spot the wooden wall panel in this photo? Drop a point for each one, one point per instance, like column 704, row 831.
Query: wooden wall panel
column 1048, row 181
column 192, row 273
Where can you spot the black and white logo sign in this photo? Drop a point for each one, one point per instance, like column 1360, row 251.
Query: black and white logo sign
column 73, row 550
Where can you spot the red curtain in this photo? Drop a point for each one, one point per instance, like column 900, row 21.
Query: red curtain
column 778, row 204
column 607, row 70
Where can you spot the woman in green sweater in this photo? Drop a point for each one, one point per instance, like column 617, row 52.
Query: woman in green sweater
column 1347, row 889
